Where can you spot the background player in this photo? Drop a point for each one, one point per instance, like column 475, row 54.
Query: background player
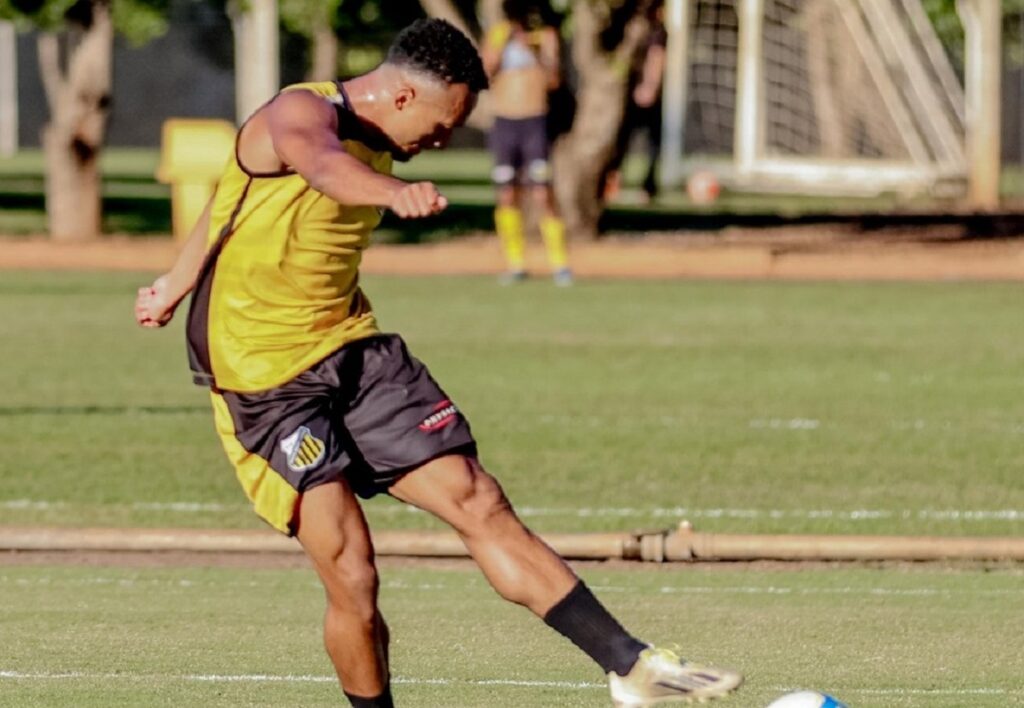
column 521, row 55
column 643, row 107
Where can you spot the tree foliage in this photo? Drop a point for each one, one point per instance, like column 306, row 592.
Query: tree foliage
column 353, row 19
column 137, row 20
column 363, row 27
column 947, row 24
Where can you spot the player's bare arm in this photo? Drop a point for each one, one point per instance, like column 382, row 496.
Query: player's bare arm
column 490, row 53
column 646, row 92
column 298, row 131
column 155, row 304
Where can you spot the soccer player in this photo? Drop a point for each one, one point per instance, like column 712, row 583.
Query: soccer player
column 521, row 55
column 315, row 406
column 643, row 106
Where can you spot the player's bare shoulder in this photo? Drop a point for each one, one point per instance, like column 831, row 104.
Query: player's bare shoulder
column 293, row 120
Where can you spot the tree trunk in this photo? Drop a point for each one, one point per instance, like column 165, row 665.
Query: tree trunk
column 324, row 64
column 584, row 153
column 79, row 101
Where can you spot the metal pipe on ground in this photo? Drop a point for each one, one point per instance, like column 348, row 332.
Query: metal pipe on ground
column 692, row 546
column 436, row 544
column 444, row 544
column 679, row 545
column 128, row 539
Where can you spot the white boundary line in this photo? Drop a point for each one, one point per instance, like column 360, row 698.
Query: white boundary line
column 664, row 590
column 293, row 678
column 661, row 512
column 925, row 592
column 288, row 678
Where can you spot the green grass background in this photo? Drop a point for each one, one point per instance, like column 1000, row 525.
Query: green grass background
column 927, row 636
column 754, row 407
column 600, row 407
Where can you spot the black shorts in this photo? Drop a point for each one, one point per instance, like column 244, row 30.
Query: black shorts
column 521, row 150
column 368, row 413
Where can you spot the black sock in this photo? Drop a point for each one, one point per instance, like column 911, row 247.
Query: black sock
column 586, row 623
column 381, row 701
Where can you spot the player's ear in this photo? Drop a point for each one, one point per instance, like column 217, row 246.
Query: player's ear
column 404, row 97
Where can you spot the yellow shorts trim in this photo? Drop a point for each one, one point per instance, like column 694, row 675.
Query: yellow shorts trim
column 273, row 499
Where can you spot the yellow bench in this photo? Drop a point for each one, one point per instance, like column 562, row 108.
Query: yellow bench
column 193, row 153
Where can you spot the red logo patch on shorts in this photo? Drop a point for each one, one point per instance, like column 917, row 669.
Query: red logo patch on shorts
column 444, row 413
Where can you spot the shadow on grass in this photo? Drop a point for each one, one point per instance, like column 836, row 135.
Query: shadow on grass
column 138, row 215
column 149, row 215
column 132, row 215
column 460, row 219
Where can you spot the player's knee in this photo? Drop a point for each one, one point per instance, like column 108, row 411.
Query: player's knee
column 352, row 584
column 508, row 196
column 545, row 199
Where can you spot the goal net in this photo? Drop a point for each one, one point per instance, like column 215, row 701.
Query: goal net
column 827, row 96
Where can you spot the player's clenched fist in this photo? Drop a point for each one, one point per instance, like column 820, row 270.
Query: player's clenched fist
column 416, row 200
column 153, row 306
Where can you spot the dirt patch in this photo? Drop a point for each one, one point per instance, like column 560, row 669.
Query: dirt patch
column 816, row 252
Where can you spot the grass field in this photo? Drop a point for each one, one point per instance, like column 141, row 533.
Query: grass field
column 745, row 407
column 84, row 637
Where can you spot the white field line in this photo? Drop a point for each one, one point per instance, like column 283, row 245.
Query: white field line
column 293, row 678
column 659, row 512
column 289, row 678
column 780, row 424
column 785, row 424
column 47, row 581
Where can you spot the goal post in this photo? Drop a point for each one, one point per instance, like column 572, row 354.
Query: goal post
column 674, row 92
column 843, row 97
column 982, row 20
column 8, row 90
column 749, row 128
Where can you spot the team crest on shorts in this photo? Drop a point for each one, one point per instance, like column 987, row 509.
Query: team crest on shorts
column 304, row 450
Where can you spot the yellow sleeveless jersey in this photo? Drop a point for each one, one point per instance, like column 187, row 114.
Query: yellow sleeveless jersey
column 279, row 289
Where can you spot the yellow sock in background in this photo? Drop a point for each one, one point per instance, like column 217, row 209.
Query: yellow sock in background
column 508, row 221
column 553, row 230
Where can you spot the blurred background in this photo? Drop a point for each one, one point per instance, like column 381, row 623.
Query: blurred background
column 768, row 107
column 728, row 354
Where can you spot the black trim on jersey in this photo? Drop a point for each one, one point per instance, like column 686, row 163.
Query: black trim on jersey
column 198, row 327
column 238, row 158
column 344, row 95
column 352, row 127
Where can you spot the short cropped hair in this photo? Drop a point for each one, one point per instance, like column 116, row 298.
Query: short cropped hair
column 437, row 48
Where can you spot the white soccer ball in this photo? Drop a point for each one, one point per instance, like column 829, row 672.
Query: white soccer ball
column 806, row 699
column 703, row 187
